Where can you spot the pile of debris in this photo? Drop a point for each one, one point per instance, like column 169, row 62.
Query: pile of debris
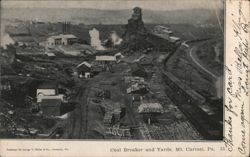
column 107, row 119
column 7, row 125
column 121, row 131
column 112, row 113
column 25, row 133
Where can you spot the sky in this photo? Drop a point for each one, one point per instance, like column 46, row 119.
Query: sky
column 116, row 4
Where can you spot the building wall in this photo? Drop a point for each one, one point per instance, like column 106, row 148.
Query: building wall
column 83, row 69
column 58, row 41
column 70, row 41
column 41, row 97
column 64, row 41
column 51, row 42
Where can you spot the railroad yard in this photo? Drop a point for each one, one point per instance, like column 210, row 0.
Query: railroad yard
column 93, row 110
column 142, row 83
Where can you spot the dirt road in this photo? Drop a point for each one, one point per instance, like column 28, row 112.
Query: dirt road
column 191, row 54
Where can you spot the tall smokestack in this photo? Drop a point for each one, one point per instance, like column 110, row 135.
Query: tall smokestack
column 63, row 27
column 66, row 27
column 69, row 25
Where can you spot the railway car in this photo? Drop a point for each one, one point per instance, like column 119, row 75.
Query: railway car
column 188, row 102
column 184, row 91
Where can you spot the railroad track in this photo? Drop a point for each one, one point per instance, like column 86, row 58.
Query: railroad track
column 83, row 109
column 76, row 118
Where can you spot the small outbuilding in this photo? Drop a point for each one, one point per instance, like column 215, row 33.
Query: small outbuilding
column 174, row 39
column 62, row 39
column 118, row 56
column 84, row 69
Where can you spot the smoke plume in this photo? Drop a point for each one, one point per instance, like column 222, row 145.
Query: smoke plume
column 116, row 40
column 5, row 38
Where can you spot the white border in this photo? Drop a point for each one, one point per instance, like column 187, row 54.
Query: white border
column 106, row 148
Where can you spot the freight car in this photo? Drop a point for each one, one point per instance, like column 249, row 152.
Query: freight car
column 188, row 102
column 183, row 91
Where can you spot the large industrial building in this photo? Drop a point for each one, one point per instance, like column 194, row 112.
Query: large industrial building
column 62, row 39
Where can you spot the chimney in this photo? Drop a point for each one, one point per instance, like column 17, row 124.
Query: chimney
column 67, row 27
column 63, row 27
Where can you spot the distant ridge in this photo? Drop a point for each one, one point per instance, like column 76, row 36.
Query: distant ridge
column 95, row 16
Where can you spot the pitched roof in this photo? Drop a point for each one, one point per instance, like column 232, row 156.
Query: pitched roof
column 119, row 54
column 150, row 107
column 84, row 63
column 174, row 39
column 50, row 54
column 63, row 36
column 105, row 58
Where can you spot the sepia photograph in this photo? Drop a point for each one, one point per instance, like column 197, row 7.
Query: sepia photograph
column 112, row 70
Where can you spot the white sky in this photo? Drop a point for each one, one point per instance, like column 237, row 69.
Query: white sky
column 116, row 4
